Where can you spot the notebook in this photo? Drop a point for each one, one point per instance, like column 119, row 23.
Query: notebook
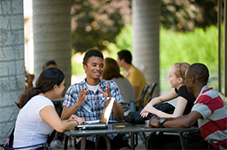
column 103, row 122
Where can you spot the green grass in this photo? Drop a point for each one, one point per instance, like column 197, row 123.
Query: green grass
column 197, row 46
column 77, row 67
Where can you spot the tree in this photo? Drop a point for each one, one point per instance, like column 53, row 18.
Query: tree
column 185, row 15
column 96, row 23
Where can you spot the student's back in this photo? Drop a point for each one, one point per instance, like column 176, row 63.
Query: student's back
column 136, row 78
column 133, row 74
column 30, row 127
column 125, row 89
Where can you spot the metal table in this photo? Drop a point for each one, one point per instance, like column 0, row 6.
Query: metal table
column 129, row 128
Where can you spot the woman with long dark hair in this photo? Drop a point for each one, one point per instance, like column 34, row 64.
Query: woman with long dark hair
column 37, row 117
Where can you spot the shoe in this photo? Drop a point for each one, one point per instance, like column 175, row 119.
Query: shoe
column 58, row 144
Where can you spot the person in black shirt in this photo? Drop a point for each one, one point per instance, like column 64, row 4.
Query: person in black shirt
column 185, row 102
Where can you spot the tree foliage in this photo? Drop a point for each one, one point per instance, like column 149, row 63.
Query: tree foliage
column 96, row 23
column 185, row 15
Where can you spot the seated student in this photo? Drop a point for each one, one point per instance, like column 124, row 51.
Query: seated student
column 185, row 101
column 30, row 77
column 88, row 97
column 111, row 71
column 37, row 117
column 133, row 74
column 58, row 141
column 208, row 109
column 49, row 64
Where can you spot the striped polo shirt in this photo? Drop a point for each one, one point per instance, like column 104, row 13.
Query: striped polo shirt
column 213, row 123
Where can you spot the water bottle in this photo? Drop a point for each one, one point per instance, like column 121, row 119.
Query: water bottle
column 132, row 106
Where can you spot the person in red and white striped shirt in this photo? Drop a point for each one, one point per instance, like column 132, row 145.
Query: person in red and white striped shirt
column 209, row 109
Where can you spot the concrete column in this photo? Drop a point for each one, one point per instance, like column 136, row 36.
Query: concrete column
column 12, row 79
column 52, row 35
column 145, row 20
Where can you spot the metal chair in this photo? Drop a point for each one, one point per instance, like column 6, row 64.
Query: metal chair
column 144, row 97
column 140, row 99
column 149, row 95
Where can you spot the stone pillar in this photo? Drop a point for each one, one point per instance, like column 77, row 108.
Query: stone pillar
column 52, row 35
column 12, row 79
column 145, row 21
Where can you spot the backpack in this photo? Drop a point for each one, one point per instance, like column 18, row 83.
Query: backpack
column 135, row 118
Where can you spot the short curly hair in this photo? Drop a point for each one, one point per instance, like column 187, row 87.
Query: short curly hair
column 90, row 53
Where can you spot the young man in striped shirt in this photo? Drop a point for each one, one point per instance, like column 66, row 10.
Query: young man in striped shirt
column 208, row 109
column 87, row 100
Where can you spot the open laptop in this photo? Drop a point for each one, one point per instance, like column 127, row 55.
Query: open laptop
column 103, row 122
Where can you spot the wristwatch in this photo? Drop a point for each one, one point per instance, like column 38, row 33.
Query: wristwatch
column 160, row 122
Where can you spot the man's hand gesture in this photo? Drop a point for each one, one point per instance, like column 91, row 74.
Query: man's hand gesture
column 82, row 96
column 107, row 93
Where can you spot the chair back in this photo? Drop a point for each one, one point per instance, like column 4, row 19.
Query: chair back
column 140, row 99
column 149, row 94
column 144, row 97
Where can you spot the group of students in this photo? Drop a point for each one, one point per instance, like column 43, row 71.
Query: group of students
column 85, row 101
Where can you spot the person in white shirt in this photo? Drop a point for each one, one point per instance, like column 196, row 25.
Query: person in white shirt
column 37, row 117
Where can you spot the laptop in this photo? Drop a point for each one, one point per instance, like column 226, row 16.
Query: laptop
column 103, row 122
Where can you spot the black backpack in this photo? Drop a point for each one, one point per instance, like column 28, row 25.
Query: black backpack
column 135, row 118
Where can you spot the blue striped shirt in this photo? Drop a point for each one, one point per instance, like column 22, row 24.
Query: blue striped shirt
column 93, row 104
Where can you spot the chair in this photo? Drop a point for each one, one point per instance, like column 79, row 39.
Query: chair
column 144, row 97
column 148, row 97
column 140, row 99
column 148, row 93
column 139, row 104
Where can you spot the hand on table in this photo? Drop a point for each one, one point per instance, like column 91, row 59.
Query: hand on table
column 77, row 119
column 154, row 122
column 146, row 110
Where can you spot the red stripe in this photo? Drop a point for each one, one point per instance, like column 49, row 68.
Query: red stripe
column 224, row 144
column 213, row 126
column 212, row 104
column 208, row 89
